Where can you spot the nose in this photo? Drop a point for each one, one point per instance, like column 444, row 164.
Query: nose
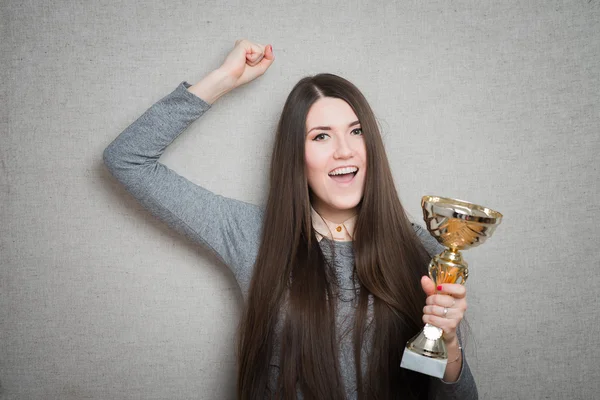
column 343, row 149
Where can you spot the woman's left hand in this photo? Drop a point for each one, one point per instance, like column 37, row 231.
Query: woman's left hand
column 444, row 308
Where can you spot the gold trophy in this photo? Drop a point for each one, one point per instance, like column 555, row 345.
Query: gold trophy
column 458, row 225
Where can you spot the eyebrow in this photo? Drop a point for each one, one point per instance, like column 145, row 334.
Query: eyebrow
column 328, row 128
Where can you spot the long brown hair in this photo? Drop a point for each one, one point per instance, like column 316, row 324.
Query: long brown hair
column 292, row 285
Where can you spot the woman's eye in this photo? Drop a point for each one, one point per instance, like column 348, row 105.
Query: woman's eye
column 320, row 136
column 357, row 131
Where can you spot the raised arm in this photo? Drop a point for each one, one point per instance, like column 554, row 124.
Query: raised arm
column 228, row 227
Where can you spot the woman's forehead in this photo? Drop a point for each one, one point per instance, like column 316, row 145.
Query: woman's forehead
column 331, row 112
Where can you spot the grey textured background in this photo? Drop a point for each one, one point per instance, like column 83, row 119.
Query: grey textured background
column 492, row 102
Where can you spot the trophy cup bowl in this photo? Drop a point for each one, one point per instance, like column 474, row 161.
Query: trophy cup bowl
column 457, row 225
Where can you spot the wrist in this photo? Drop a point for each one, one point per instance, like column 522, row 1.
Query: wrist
column 451, row 342
column 212, row 86
column 454, row 350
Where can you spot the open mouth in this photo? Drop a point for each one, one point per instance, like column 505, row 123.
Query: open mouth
column 343, row 174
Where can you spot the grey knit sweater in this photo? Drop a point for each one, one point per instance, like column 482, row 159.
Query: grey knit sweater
column 231, row 228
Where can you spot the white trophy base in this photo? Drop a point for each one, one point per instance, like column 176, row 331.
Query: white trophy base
column 429, row 366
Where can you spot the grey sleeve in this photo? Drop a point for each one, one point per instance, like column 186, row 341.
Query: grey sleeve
column 464, row 388
column 432, row 246
column 230, row 228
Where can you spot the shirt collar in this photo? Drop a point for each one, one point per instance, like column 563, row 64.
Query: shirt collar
column 331, row 230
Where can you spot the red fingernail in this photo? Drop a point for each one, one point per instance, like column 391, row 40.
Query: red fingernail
column 439, row 287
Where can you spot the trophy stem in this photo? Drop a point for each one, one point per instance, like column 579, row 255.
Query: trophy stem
column 452, row 255
column 449, row 267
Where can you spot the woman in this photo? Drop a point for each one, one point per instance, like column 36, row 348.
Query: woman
column 331, row 269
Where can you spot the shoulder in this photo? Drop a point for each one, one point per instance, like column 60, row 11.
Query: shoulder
column 430, row 243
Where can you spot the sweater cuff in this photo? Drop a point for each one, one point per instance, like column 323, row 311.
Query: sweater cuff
column 191, row 97
column 463, row 388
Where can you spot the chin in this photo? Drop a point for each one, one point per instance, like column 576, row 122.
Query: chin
column 349, row 204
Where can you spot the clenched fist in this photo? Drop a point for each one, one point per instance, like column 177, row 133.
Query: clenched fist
column 244, row 63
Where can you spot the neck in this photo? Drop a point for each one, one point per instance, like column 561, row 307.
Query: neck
column 334, row 215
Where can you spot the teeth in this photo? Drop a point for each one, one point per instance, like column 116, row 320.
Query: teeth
column 342, row 171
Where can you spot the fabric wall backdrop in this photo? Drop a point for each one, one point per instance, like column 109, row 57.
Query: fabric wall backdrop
column 492, row 102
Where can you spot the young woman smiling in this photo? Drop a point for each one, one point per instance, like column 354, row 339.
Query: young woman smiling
column 331, row 270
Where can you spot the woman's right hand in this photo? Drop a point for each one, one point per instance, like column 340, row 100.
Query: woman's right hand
column 244, row 63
